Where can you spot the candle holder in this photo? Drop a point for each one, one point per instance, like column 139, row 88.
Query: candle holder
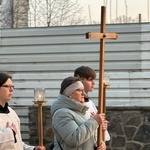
column 106, row 85
column 39, row 99
column 106, row 80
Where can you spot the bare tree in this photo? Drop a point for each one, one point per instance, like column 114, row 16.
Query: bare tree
column 20, row 13
column 55, row 13
column 125, row 19
column 36, row 13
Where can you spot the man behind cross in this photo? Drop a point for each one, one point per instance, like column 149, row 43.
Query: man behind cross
column 87, row 76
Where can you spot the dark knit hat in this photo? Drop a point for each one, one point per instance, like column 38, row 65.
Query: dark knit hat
column 4, row 77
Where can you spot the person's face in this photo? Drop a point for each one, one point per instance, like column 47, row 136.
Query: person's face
column 78, row 95
column 6, row 92
column 88, row 85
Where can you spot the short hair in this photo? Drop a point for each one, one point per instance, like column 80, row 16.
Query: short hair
column 85, row 72
column 4, row 77
column 68, row 81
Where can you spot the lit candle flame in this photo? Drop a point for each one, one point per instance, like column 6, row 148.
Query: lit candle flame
column 39, row 96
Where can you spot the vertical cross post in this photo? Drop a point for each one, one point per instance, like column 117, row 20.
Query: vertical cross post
column 102, row 36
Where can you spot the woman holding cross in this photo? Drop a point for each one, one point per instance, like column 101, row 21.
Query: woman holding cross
column 72, row 129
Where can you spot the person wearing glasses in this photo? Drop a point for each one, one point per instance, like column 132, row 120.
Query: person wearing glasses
column 72, row 129
column 87, row 76
column 10, row 136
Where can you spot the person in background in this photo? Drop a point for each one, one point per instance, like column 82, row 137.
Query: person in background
column 72, row 129
column 10, row 136
column 87, row 75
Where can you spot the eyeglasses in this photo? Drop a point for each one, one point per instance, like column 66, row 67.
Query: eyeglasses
column 8, row 86
column 81, row 91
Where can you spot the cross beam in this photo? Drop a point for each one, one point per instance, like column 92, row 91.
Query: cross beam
column 101, row 96
column 92, row 35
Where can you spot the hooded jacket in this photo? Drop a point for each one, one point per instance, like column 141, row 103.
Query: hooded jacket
column 72, row 129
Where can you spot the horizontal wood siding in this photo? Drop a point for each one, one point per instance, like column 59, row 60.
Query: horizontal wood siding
column 43, row 57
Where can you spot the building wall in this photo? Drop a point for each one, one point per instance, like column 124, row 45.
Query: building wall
column 6, row 13
column 129, row 128
column 43, row 57
column 14, row 13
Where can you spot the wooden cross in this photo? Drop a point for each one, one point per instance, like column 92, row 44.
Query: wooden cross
column 101, row 96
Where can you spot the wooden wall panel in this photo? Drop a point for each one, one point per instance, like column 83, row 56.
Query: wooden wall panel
column 43, row 57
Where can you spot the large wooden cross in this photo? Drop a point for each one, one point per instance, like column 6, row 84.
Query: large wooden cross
column 101, row 96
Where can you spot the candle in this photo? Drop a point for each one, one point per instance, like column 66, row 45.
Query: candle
column 39, row 94
column 106, row 78
column 39, row 98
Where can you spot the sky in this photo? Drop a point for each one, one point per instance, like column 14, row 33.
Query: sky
column 115, row 8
